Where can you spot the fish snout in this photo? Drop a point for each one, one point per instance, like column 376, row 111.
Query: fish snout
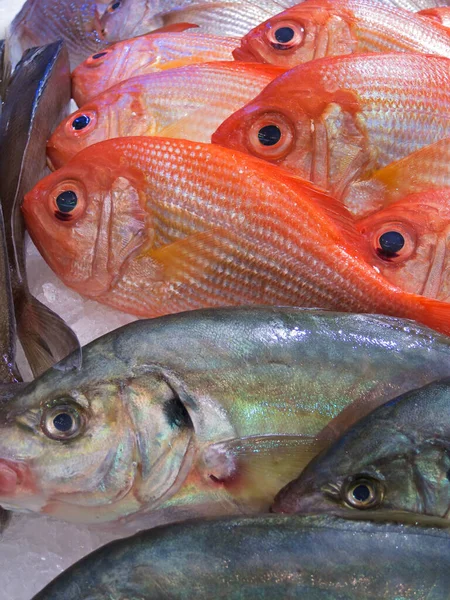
column 15, row 477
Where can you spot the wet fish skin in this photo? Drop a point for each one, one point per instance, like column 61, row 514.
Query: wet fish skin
column 36, row 98
column 230, row 18
column 440, row 14
column 400, row 451
column 365, row 111
column 41, row 22
column 275, row 557
column 323, row 28
column 146, row 54
column 421, row 264
column 202, row 380
column 187, row 102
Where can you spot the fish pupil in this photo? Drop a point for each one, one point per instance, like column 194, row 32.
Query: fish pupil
column 269, row 135
column 283, row 35
column 81, row 122
column 116, row 5
column 361, row 493
column 98, row 55
column 63, row 422
column 391, row 243
column 66, row 201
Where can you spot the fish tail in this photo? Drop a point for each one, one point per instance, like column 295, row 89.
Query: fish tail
column 45, row 337
column 433, row 313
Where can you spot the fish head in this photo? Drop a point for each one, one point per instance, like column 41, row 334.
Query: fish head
column 272, row 128
column 86, row 220
column 93, row 445
column 111, row 65
column 121, row 19
column 397, row 458
column 410, row 242
column 298, row 35
column 117, row 112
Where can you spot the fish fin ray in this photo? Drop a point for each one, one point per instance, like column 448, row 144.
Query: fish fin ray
column 265, row 463
column 175, row 28
column 186, row 127
column 45, row 337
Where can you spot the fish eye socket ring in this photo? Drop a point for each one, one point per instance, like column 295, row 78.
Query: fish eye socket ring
column 63, row 421
column 98, row 59
column 270, row 136
column 80, row 123
column 362, row 492
column 285, row 35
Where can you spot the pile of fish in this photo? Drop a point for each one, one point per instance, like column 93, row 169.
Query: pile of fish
column 266, row 186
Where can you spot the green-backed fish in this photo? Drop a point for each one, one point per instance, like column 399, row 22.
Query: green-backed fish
column 203, row 412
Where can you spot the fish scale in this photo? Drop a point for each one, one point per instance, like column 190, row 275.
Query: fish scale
column 238, row 231
column 400, row 103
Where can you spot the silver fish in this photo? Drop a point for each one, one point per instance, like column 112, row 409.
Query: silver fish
column 271, row 557
column 37, row 98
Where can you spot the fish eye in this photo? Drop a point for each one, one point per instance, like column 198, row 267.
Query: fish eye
column 97, row 59
column 363, row 492
column 390, row 243
column 63, row 421
column 286, row 35
column 80, row 123
column 270, row 136
column 67, row 200
column 114, row 6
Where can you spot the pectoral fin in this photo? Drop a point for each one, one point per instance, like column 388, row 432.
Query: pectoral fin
column 187, row 257
column 189, row 127
column 255, row 468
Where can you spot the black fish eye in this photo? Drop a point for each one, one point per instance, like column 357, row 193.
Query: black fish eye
column 115, row 5
column 81, row 122
column 390, row 243
column 283, row 35
column 98, row 55
column 63, row 422
column 66, row 201
column 269, row 135
column 363, row 492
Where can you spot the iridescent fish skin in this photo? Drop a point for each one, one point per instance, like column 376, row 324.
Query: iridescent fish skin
column 130, row 18
column 272, row 556
column 36, row 99
column 145, row 54
column 43, row 21
column 339, row 119
column 419, row 227
column 319, row 28
column 205, row 412
column 154, row 226
column 394, row 460
column 188, row 102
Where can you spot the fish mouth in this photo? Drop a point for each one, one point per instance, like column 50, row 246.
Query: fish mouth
column 15, row 477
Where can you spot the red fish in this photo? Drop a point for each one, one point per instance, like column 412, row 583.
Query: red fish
column 189, row 102
column 410, row 242
column 146, row 54
column 318, row 28
column 339, row 119
column 155, row 226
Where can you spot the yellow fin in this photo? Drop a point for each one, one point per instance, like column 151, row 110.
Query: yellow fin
column 183, row 258
column 188, row 127
column 255, row 468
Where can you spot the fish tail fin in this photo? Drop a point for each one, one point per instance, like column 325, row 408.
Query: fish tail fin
column 431, row 312
column 45, row 337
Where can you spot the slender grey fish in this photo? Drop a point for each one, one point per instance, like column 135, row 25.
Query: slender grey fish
column 267, row 557
column 204, row 412
column 36, row 99
column 395, row 459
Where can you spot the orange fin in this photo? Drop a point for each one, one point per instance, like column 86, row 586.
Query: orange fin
column 257, row 467
column 184, row 258
column 433, row 313
column 175, row 28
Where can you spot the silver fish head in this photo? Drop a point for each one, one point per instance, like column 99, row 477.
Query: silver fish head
column 95, row 444
column 395, row 459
